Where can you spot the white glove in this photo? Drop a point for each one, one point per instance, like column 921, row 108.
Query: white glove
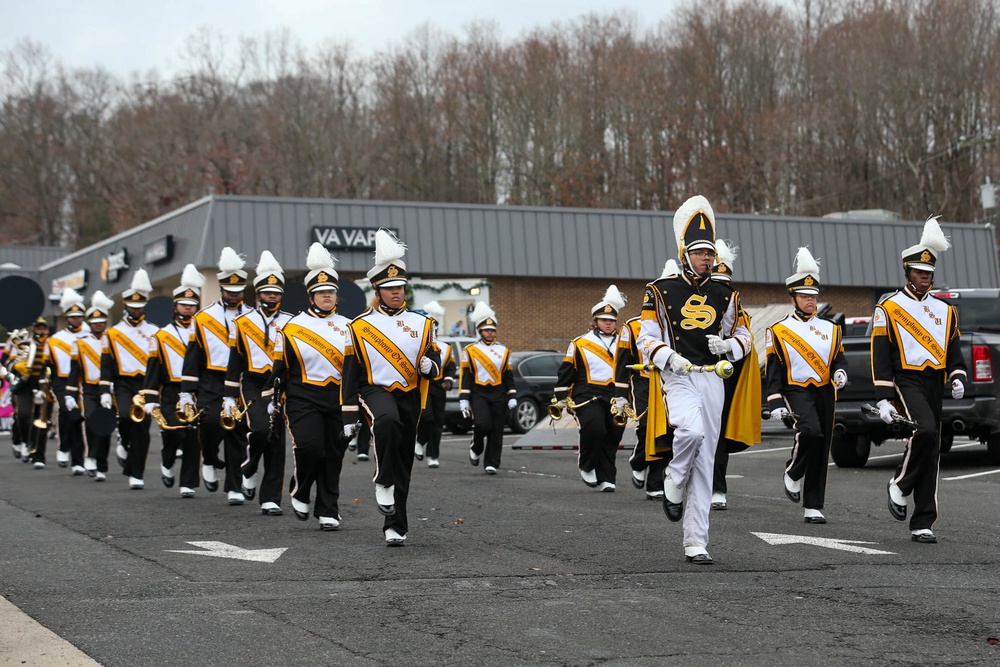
column 620, row 402
column 38, row 397
column 717, row 346
column 272, row 409
column 679, row 365
column 511, row 404
column 185, row 398
column 350, row 430
column 778, row 414
column 957, row 388
column 425, row 366
column 106, row 401
column 71, row 403
column 839, row 378
column 150, row 407
column 463, row 405
column 228, row 404
column 886, row 411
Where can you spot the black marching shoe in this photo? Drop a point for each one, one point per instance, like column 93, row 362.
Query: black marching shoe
column 385, row 499
column 674, row 511
column 700, row 559
column 924, row 536
column 300, row 509
column 897, row 511
column 793, row 489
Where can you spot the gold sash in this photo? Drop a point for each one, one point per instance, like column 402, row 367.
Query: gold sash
column 130, row 346
column 173, row 343
column 253, row 332
column 300, row 334
column 92, row 355
column 898, row 315
column 215, row 327
column 487, row 363
column 785, row 334
column 599, row 350
column 657, row 417
column 387, row 349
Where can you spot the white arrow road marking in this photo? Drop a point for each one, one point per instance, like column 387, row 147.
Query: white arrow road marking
column 223, row 550
column 825, row 542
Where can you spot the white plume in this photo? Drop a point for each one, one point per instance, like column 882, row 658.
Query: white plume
column 229, row 261
column 670, row 269
column 319, row 257
column 435, row 310
column 191, row 277
column 933, row 238
column 70, row 297
column 387, row 248
column 140, row 282
column 268, row 264
column 101, row 302
column 686, row 211
column 481, row 312
column 726, row 253
column 805, row 262
column 615, row 298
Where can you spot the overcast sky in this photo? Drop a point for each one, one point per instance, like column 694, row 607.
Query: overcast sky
column 134, row 36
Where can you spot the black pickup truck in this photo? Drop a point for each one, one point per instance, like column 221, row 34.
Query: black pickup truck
column 976, row 416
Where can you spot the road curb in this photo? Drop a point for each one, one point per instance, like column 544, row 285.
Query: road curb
column 25, row 642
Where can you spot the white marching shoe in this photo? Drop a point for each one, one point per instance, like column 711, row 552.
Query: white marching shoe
column 236, row 498
column 394, row 539
column 136, row 483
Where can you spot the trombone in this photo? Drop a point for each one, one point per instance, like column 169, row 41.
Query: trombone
column 230, row 418
column 137, row 413
column 556, row 408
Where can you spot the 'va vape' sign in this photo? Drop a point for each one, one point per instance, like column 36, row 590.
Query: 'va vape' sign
column 346, row 238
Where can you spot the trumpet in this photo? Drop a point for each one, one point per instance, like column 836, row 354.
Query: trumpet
column 621, row 417
column 230, row 418
column 724, row 369
column 556, row 408
column 137, row 412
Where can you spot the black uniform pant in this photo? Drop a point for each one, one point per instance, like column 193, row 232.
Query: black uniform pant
column 24, row 414
column 394, row 417
column 489, row 416
column 318, row 455
column 814, row 410
column 364, row 438
column 183, row 439
column 599, row 439
column 97, row 445
column 432, row 422
column 921, row 396
column 639, row 400
column 260, row 448
column 135, row 435
column 71, row 435
column 234, row 443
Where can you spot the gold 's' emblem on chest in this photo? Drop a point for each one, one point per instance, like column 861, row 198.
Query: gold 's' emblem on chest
column 697, row 314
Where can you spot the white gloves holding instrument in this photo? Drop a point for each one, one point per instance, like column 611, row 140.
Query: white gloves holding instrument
column 149, row 407
column 718, row 346
column 886, row 411
column 106, row 401
column 839, row 378
column 620, row 403
column 184, row 399
column 957, row 389
column 679, row 364
column 778, row 414
column 511, row 404
column 229, row 404
column 71, row 403
column 463, row 405
column 426, row 366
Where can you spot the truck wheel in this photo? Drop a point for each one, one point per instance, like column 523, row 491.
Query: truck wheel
column 993, row 448
column 850, row 450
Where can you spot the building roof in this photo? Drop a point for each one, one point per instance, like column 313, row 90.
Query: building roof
column 531, row 242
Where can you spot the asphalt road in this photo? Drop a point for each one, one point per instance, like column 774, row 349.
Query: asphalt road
column 526, row 568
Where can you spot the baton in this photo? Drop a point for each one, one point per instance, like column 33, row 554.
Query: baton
column 724, row 369
column 896, row 418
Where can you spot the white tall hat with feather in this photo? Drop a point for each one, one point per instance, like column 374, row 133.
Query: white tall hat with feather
column 100, row 308
column 71, row 303
column 435, row 311
column 694, row 226
column 232, row 277
column 670, row 269
column 189, row 291
column 322, row 276
column 269, row 275
column 806, row 277
column 483, row 317
column 137, row 295
column 389, row 269
column 608, row 307
column 725, row 259
column 933, row 242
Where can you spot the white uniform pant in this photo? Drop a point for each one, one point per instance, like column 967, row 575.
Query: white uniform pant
column 694, row 404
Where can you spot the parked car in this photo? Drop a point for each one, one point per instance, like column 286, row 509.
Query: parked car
column 534, row 378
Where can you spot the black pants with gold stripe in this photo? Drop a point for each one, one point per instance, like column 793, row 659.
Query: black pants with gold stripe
column 394, row 416
column 921, row 395
column 814, row 408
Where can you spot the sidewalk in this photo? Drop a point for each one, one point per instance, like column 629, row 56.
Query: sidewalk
column 23, row 641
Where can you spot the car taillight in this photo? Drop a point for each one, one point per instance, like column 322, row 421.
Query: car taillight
column 982, row 364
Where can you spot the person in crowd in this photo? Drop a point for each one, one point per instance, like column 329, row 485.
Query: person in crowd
column 61, row 348
column 915, row 357
column 85, row 379
column 805, row 367
column 486, row 389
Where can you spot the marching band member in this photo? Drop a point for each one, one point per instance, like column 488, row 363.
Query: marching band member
column 251, row 344
column 85, row 379
column 124, row 355
column 388, row 352
column 163, row 385
column 915, row 356
column 308, row 365
column 432, row 415
column 587, row 375
column 687, row 323
column 487, row 389
column 61, row 348
column 805, row 367
column 206, row 363
column 31, row 394
column 647, row 471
